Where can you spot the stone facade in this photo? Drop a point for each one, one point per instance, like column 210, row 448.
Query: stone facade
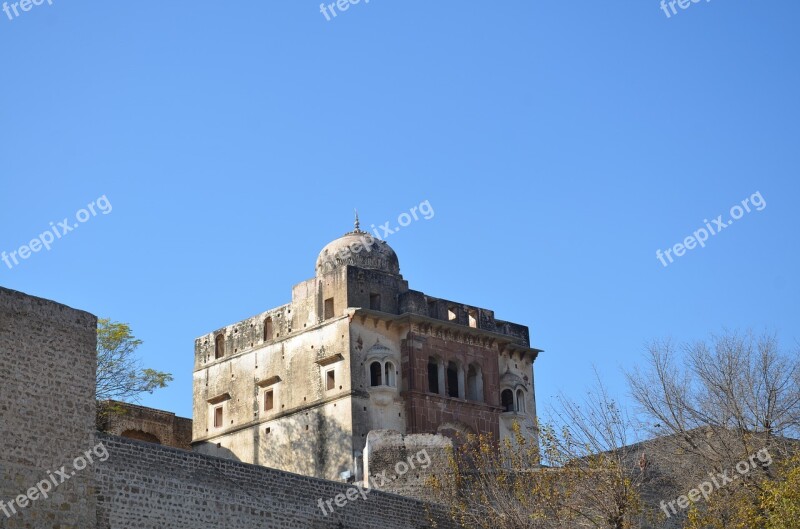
column 300, row 387
column 144, row 424
column 47, row 384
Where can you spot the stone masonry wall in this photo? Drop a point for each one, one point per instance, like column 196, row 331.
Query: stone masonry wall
column 148, row 486
column 47, row 409
column 146, row 424
column 406, row 463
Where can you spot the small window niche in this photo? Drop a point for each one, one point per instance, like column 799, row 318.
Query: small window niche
column 453, row 380
column 269, row 399
column 452, row 314
column 473, row 318
column 328, row 309
column 330, row 380
column 433, row 375
column 507, row 400
column 375, row 374
column 474, row 383
column 390, row 379
column 219, row 346
column 375, row 301
column 268, row 330
column 520, row 401
column 218, row 417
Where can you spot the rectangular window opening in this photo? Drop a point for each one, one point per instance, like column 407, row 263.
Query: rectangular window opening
column 328, row 309
column 433, row 377
column 375, row 301
column 452, row 315
column 269, row 400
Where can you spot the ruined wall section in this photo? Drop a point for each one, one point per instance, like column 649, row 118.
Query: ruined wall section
column 406, row 463
column 140, row 422
column 374, row 290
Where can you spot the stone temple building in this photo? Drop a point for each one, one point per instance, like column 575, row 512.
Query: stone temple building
column 299, row 387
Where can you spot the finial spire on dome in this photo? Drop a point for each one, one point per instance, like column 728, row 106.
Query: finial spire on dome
column 357, row 224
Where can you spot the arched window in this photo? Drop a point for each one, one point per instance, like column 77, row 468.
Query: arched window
column 375, row 374
column 452, row 380
column 520, row 401
column 507, row 400
column 433, row 375
column 219, row 346
column 141, row 436
column 474, row 383
column 390, row 375
column 268, row 329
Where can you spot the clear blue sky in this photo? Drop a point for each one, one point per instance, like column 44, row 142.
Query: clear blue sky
column 560, row 145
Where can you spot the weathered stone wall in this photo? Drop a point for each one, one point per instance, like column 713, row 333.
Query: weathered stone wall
column 146, row 424
column 47, row 408
column 308, row 428
column 375, row 407
column 153, row 487
column 363, row 284
column 516, row 376
column 406, row 463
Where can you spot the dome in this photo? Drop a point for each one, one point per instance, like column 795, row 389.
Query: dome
column 358, row 248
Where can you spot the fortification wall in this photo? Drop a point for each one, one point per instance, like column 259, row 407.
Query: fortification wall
column 47, row 407
column 154, row 487
column 47, row 424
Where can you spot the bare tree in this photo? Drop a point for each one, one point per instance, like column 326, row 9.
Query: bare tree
column 718, row 403
column 742, row 388
column 588, row 480
column 592, row 441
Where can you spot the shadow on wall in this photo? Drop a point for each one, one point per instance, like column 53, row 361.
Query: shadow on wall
column 141, row 436
column 215, row 450
column 309, row 443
